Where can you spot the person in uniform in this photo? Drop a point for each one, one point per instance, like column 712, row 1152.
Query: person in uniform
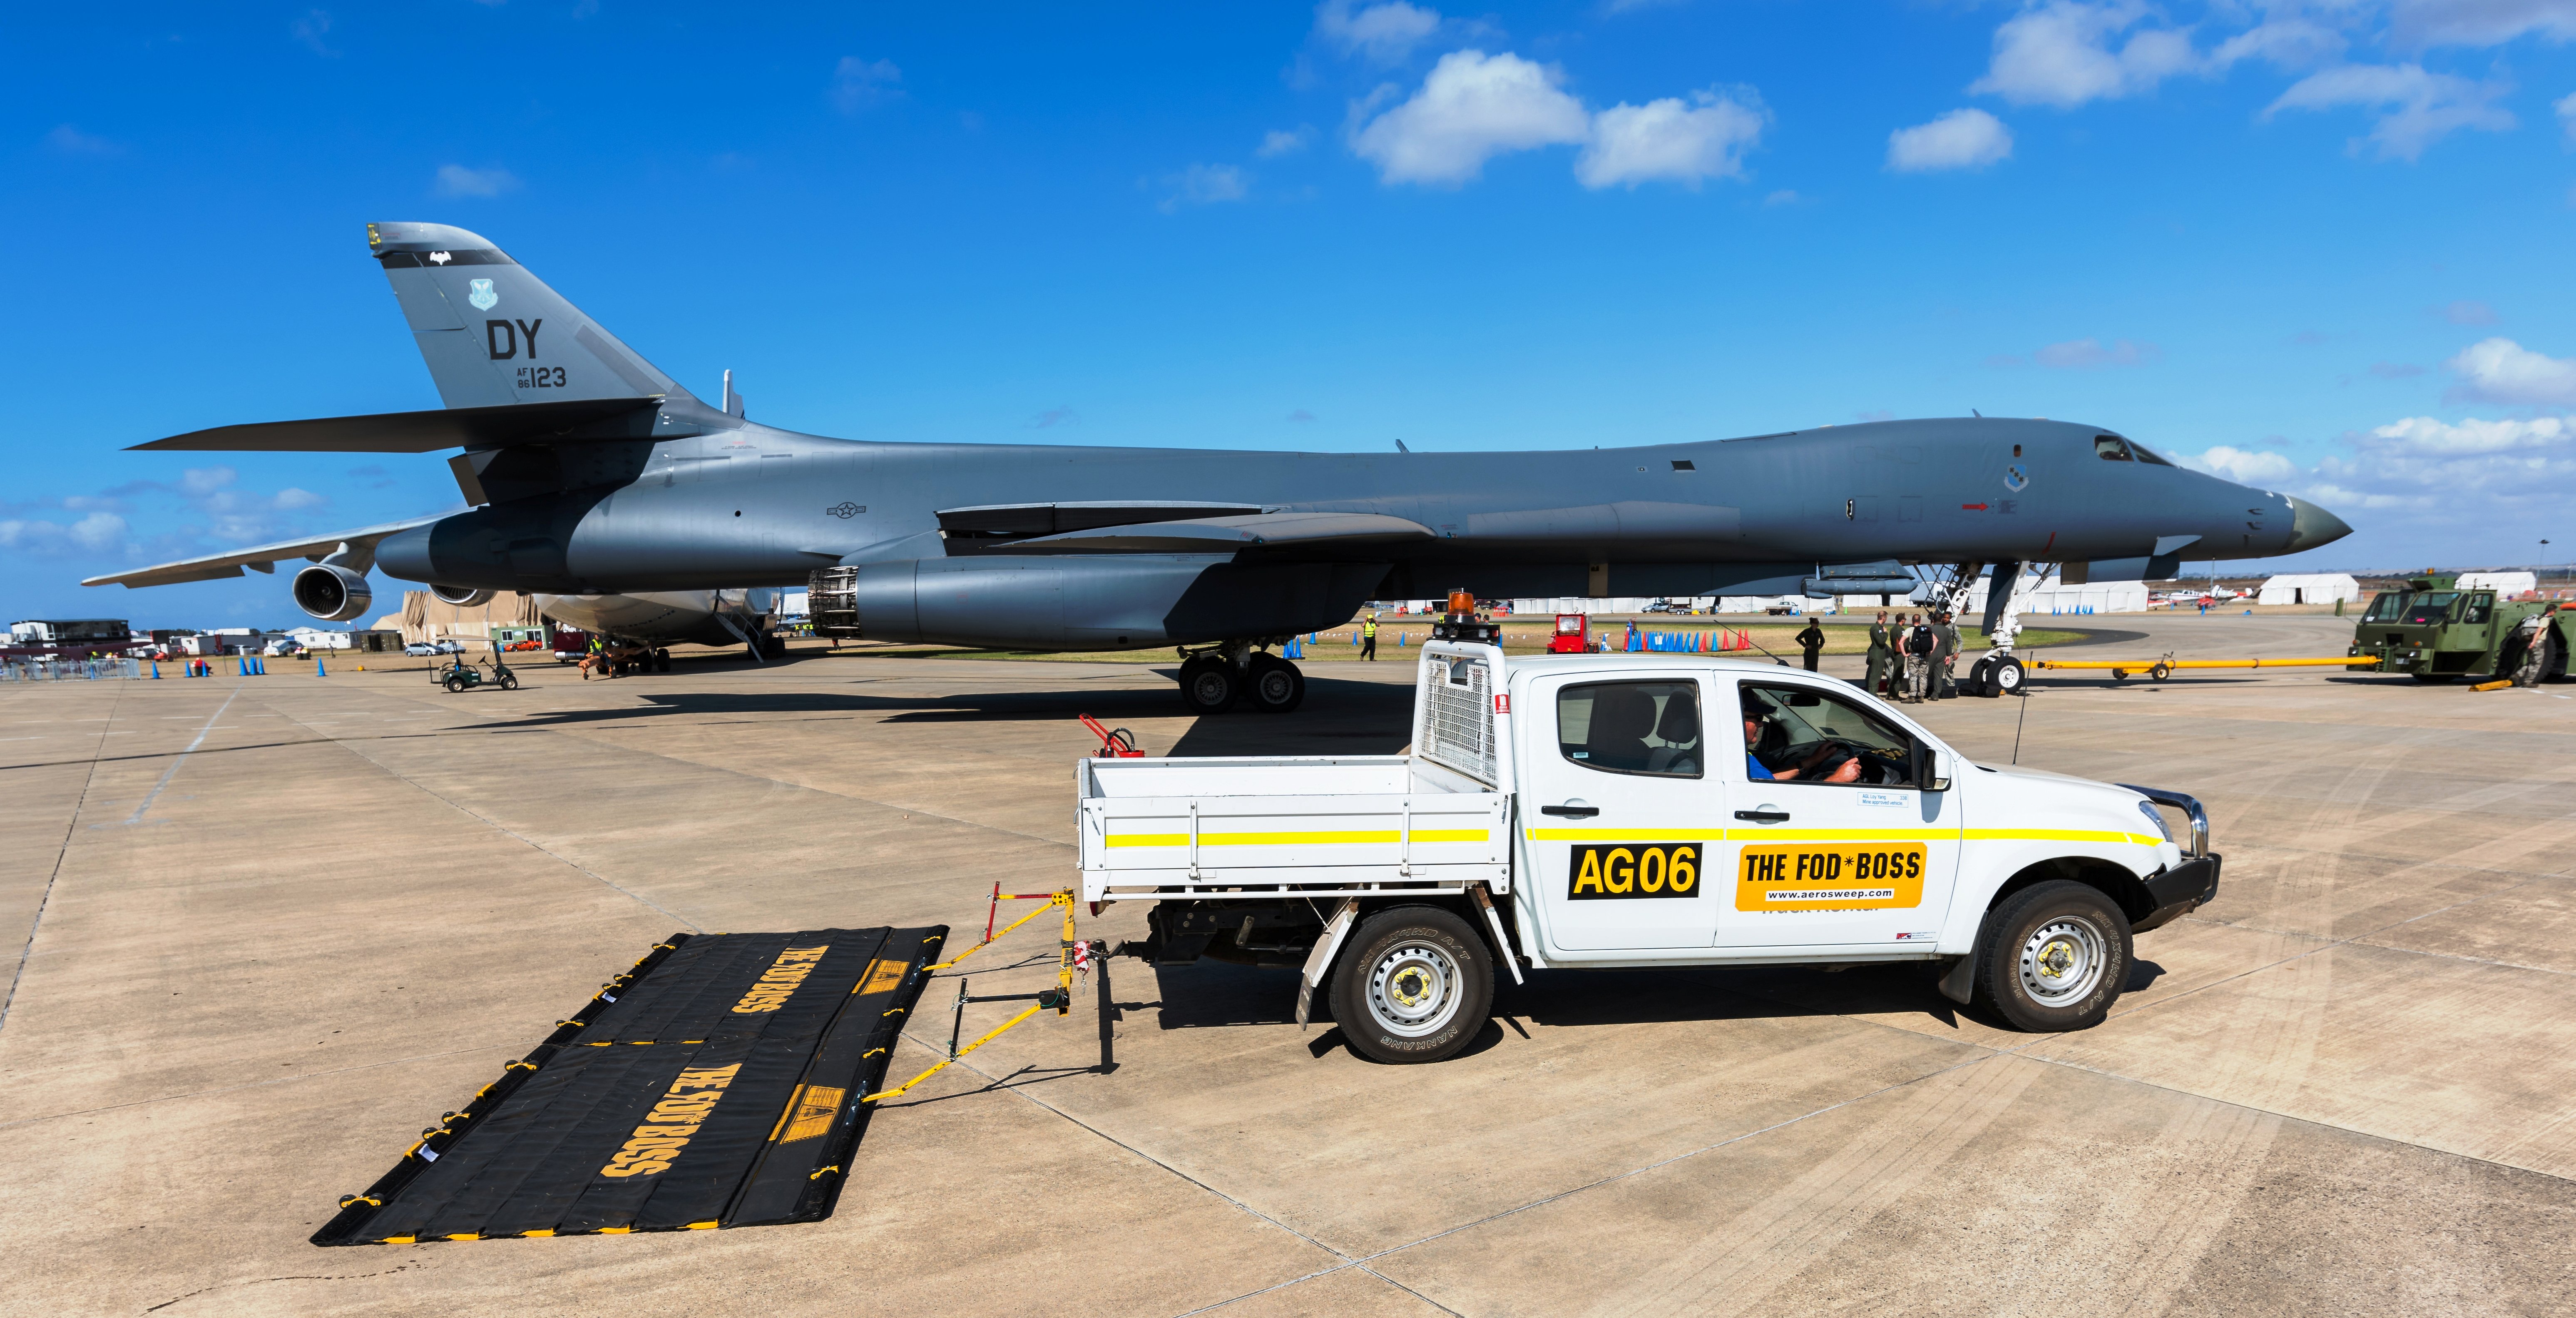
column 1918, row 658
column 1812, row 640
column 1882, row 648
column 1368, row 638
column 1946, row 683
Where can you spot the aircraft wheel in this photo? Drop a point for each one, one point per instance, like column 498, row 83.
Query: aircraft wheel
column 2006, row 677
column 1981, row 679
column 1277, row 686
column 1209, row 685
column 661, row 662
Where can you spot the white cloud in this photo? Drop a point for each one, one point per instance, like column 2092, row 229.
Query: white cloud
column 1470, row 109
column 1961, row 139
column 1384, row 33
column 858, row 83
column 73, row 142
column 2060, row 54
column 1686, row 141
column 2085, row 355
column 2246, row 466
column 2423, row 436
column 458, row 181
column 1203, row 185
column 1284, row 142
column 92, row 534
column 2502, row 371
column 2418, row 108
column 2566, row 109
column 2290, row 43
column 2480, row 22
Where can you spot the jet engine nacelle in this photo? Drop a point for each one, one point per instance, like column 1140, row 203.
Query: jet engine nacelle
column 332, row 593
column 1092, row 602
column 463, row 597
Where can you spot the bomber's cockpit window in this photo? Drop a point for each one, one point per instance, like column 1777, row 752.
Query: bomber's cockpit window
column 2146, row 457
column 2431, row 608
column 2111, row 448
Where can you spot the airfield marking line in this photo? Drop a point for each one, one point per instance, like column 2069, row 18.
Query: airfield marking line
column 173, row 770
column 497, row 826
column 255, row 1084
column 71, row 829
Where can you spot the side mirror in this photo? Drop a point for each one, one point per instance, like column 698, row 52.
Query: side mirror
column 1931, row 768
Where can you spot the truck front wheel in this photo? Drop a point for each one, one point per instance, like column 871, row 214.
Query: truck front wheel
column 1414, row 985
column 2055, row 958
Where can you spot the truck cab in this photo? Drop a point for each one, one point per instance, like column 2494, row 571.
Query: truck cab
column 2435, row 631
column 1580, row 812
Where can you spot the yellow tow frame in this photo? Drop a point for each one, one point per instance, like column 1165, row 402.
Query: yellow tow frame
column 1061, row 1000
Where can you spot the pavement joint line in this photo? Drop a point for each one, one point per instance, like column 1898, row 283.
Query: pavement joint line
column 71, row 829
column 173, row 770
column 352, row 748
column 1247, row 1209
column 255, row 1084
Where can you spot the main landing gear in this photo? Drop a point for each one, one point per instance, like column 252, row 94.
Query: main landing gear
column 1215, row 680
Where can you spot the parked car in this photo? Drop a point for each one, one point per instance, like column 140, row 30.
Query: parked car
column 421, row 649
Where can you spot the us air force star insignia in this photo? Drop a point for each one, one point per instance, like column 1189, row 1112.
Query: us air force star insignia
column 846, row 510
column 484, row 299
column 2016, row 479
column 439, row 258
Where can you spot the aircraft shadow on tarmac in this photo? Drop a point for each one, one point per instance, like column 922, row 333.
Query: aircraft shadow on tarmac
column 1348, row 717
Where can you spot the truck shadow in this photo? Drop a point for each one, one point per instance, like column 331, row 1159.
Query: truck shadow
column 1213, row 994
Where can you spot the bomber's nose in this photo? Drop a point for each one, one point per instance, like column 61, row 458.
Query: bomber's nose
column 2311, row 526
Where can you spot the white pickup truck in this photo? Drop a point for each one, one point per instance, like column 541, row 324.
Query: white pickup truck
column 1591, row 811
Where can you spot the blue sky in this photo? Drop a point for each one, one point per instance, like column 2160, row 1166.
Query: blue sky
column 2324, row 247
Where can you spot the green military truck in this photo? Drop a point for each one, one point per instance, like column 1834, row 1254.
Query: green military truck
column 2434, row 631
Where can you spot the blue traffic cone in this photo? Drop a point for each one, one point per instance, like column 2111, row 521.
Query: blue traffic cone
column 156, row 670
column 321, row 669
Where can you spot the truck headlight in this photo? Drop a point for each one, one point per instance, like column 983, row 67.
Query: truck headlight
column 2156, row 817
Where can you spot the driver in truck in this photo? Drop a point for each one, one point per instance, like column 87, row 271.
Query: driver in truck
column 1761, row 726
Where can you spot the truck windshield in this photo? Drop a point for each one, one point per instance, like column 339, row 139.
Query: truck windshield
column 1631, row 727
column 2430, row 608
column 2385, row 606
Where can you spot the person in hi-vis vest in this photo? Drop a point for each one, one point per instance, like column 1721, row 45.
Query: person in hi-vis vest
column 1368, row 638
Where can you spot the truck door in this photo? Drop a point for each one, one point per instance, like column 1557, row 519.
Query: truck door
column 1838, row 844
column 1620, row 809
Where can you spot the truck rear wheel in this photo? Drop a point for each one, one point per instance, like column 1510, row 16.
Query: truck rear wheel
column 1414, row 984
column 2055, row 957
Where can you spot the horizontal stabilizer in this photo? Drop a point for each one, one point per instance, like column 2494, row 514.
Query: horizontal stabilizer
column 259, row 558
column 1220, row 535
column 422, row 432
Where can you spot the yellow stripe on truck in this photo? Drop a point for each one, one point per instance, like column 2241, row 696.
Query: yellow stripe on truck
column 1837, row 835
column 1341, row 838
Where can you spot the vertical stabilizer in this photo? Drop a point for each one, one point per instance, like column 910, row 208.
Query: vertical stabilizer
column 493, row 333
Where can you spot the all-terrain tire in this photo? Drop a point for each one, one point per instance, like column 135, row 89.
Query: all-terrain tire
column 2054, row 957
column 1413, row 984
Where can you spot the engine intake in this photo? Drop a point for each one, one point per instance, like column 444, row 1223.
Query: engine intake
column 332, row 593
column 463, row 597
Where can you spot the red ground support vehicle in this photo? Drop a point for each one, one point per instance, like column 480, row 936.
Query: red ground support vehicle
column 570, row 645
column 1573, row 634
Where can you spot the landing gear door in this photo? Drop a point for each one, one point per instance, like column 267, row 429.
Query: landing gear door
column 1832, row 840
column 1620, row 812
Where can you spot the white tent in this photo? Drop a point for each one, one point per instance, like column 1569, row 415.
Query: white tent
column 2309, row 588
column 2054, row 598
column 2507, row 584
